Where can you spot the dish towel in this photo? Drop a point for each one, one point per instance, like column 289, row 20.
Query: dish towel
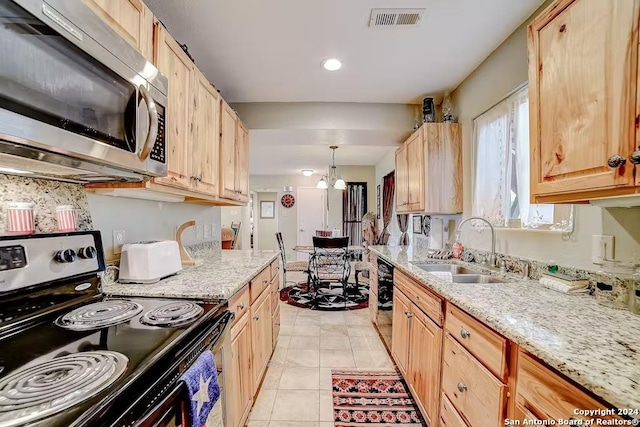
column 203, row 389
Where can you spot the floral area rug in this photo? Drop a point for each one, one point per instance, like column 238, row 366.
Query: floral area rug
column 330, row 297
column 372, row 399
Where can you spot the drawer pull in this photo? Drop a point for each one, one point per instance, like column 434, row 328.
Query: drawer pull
column 256, row 317
column 462, row 387
column 409, row 315
column 241, row 306
column 264, row 282
column 464, row 334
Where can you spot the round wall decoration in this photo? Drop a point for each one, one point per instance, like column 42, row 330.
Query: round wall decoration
column 288, row 200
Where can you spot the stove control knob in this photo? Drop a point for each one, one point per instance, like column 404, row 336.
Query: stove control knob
column 87, row 253
column 65, row 256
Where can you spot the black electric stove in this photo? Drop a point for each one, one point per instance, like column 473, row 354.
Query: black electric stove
column 71, row 356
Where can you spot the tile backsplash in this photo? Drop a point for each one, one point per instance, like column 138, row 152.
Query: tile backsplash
column 46, row 195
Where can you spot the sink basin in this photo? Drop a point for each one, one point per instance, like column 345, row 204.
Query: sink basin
column 459, row 274
column 474, row 278
column 445, row 268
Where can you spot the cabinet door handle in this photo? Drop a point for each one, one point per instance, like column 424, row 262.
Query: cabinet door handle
column 616, row 161
column 464, row 333
column 241, row 306
column 264, row 282
column 409, row 315
column 256, row 317
column 635, row 157
column 462, row 387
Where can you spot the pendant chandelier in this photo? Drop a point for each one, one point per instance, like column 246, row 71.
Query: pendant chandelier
column 332, row 178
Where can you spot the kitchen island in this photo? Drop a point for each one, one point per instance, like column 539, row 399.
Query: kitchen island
column 595, row 346
column 221, row 274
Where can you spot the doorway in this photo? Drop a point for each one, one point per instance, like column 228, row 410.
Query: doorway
column 312, row 213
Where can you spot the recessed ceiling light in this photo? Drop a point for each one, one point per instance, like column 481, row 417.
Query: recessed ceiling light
column 307, row 172
column 331, row 64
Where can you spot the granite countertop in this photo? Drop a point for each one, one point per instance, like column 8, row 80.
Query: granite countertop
column 596, row 346
column 221, row 274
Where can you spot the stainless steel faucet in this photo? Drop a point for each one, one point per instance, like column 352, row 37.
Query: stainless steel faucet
column 492, row 257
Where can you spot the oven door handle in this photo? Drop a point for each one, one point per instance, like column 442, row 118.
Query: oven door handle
column 153, row 123
column 162, row 408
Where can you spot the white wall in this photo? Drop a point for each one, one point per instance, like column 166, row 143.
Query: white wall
column 503, row 71
column 288, row 217
column 267, row 227
column 148, row 220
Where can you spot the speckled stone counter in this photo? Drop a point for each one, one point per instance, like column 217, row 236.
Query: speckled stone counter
column 596, row 346
column 221, row 274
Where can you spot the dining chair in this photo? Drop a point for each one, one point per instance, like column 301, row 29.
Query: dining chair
column 329, row 263
column 302, row 266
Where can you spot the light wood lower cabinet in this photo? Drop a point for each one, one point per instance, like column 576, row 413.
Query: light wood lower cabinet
column 478, row 395
column 239, row 393
column 543, row 394
column 401, row 331
column 261, row 336
column 417, row 349
column 425, row 351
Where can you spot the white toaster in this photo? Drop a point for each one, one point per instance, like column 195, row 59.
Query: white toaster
column 148, row 262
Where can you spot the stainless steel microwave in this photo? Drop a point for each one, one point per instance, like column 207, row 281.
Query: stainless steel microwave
column 77, row 102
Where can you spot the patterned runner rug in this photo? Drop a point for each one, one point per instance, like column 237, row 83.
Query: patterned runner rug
column 330, row 297
column 372, row 399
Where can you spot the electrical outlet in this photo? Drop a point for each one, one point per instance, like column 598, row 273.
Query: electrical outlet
column 118, row 240
column 602, row 248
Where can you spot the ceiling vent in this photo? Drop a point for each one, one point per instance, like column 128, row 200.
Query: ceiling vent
column 387, row 18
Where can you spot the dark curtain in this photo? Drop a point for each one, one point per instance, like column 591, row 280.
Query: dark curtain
column 403, row 224
column 354, row 207
column 388, row 192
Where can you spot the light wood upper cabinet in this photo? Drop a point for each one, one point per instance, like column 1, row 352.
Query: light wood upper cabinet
column 424, row 363
column 228, row 151
column 179, row 70
column 234, row 156
column 401, row 329
column 429, row 170
column 402, row 180
column 131, row 19
column 415, row 172
column 242, row 161
column 583, row 57
column 206, row 137
column 240, row 392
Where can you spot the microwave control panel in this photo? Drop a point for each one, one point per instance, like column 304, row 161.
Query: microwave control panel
column 158, row 152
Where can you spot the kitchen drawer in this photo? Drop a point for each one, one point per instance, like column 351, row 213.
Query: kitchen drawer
column 275, row 268
column 485, row 344
column 260, row 283
column 547, row 395
column 239, row 303
column 477, row 395
column 449, row 417
column 424, row 299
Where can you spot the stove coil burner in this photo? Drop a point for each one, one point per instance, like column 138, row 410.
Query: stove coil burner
column 39, row 391
column 176, row 313
column 99, row 315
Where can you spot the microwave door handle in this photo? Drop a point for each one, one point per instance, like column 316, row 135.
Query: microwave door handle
column 153, row 124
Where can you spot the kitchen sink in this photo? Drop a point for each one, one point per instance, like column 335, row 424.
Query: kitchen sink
column 474, row 278
column 445, row 268
column 459, row 274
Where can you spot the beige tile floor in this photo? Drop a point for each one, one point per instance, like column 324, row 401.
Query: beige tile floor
column 296, row 391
